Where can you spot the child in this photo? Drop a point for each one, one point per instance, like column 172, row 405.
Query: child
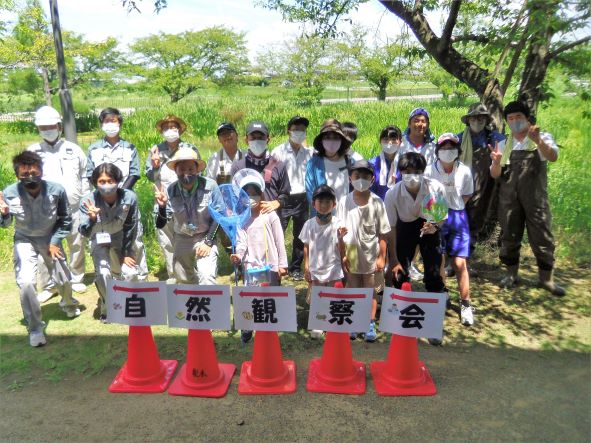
column 324, row 249
column 385, row 165
column 260, row 242
column 351, row 131
column 455, row 232
column 364, row 216
column 109, row 217
column 409, row 229
column 42, row 220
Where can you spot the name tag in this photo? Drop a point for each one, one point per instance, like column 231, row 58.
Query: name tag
column 103, row 238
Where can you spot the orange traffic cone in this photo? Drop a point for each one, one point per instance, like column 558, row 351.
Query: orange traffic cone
column 202, row 375
column 267, row 373
column 143, row 372
column 336, row 372
column 402, row 373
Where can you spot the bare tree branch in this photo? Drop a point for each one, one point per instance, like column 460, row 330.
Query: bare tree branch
column 568, row 46
column 479, row 38
column 450, row 24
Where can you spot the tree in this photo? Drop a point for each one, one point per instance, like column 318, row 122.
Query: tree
column 181, row 63
column 501, row 31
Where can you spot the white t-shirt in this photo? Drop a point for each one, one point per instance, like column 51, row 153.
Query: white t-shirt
column 401, row 205
column 427, row 149
column 364, row 226
column 323, row 249
column 457, row 183
column 295, row 164
column 337, row 176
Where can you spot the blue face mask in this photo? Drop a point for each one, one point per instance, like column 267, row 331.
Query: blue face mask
column 323, row 217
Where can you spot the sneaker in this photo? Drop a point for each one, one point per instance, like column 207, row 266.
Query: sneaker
column 435, row 341
column 78, row 287
column 371, row 335
column 467, row 315
column 245, row 336
column 297, row 276
column 72, row 311
column 171, row 281
column 37, row 339
column 45, row 295
column 414, row 273
column 103, row 319
column 353, row 335
column 316, row 333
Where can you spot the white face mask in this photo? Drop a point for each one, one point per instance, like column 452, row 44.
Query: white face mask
column 50, row 135
column 361, row 184
column 257, row 147
column 477, row 126
column 254, row 200
column 171, row 135
column 298, row 137
column 390, row 148
column 412, row 181
column 111, row 129
column 331, row 147
column 448, row 156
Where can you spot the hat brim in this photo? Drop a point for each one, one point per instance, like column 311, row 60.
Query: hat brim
column 200, row 163
column 177, row 120
column 318, row 139
column 467, row 116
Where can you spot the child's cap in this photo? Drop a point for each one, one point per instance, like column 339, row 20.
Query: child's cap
column 447, row 137
column 324, row 191
column 362, row 164
column 248, row 176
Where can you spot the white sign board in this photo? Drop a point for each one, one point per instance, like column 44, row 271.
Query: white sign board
column 135, row 303
column 340, row 309
column 264, row 308
column 199, row 307
column 413, row 314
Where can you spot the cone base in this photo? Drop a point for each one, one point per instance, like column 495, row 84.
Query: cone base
column 287, row 385
column 350, row 385
column 122, row 385
column 384, row 386
column 181, row 387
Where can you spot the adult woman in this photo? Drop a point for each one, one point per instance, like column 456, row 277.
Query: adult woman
column 109, row 217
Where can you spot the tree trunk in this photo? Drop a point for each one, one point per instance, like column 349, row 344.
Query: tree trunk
column 382, row 86
column 46, row 86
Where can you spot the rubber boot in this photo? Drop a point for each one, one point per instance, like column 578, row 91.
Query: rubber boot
column 547, row 282
column 511, row 279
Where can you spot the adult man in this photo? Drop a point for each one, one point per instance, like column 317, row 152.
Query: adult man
column 220, row 162
column 476, row 142
column 294, row 155
column 417, row 136
column 65, row 163
column 42, row 220
column 277, row 187
column 521, row 165
column 113, row 149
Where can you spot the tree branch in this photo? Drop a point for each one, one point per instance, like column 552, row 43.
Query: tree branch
column 450, row 24
column 470, row 38
column 568, row 46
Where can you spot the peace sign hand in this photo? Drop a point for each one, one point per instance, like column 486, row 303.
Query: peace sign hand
column 495, row 154
column 4, row 208
column 93, row 211
column 160, row 195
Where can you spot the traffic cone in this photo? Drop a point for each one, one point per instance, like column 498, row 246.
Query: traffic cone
column 402, row 373
column 202, row 375
column 143, row 372
column 267, row 373
column 336, row 372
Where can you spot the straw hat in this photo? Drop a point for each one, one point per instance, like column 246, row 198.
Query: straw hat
column 172, row 119
column 186, row 154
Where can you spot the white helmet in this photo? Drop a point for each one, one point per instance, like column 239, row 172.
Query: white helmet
column 47, row 116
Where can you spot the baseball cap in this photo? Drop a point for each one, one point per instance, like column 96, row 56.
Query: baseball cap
column 362, row 164
column 298, row 120
column 226, row 126
column 448, row 137
column 257, row 126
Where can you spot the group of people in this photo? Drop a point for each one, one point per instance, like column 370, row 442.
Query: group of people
column 354, row 220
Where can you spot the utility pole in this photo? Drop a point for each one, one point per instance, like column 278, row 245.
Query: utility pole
column 69, row 123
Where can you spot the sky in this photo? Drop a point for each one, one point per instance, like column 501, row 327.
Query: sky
column 99, row 19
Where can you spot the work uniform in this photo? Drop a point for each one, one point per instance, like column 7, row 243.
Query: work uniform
column 163, row 177
column 427, row 149
column 124, row 155
column 192, row 225
column 120, row 222
column 39, row 222
column 65, row 163
column 296, row 205
column 523, row 203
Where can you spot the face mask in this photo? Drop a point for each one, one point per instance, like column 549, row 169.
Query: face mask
column 517, row 126
column 171, row 135
column 50, row 135
column 390, row 148
column 106, row 190
column 361, row 184
column 111, row 129
column 477, row 126
column 412, row 181
column 188, row 179
column 448, row 156
column 257, row 147
column 298, row 137
column 331, row 147
column 254, row 201
column 323, row 217
column 31, row 182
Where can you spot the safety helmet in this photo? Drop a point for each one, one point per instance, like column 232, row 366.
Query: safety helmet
column 46, row 116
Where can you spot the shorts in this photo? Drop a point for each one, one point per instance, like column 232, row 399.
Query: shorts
column 455, row 234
